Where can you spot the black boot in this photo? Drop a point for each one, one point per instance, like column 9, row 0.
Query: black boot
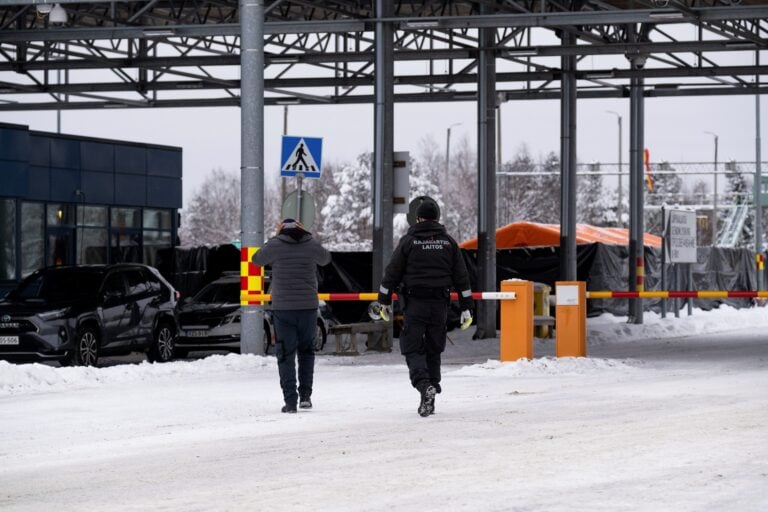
column 289, row 409
column 427, row 404
column 305, row 403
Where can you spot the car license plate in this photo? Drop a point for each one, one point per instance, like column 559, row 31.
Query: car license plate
column 9, row 340
column 197, row 334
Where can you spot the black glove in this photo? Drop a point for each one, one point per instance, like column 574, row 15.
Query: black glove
column 385, row 300
column 465, row 304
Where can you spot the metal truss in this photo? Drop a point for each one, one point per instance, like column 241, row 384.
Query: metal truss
column 139, row 54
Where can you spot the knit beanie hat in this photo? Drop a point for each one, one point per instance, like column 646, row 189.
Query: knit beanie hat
column 428, row 210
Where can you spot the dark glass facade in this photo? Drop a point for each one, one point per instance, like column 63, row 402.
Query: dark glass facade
column 66, row 200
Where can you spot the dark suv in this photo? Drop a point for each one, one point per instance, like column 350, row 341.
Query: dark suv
column 76, row 314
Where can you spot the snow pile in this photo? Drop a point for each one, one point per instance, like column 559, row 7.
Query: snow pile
column 605, row 329
column 546, row 366
column 608, row 328
column 15, row 379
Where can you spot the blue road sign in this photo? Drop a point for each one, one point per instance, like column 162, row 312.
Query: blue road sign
column 301, row 155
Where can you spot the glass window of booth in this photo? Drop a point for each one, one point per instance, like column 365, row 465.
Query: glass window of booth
column 32, row 237
column 7, row 239
column 126, row 218
column 61, row 214
column 157, row 219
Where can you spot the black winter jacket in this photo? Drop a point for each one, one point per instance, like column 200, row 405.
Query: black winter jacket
column 294, row 265
column 426, row 259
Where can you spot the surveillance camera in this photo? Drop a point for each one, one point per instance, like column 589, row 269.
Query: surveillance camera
column 637, row 59
column 58, row 15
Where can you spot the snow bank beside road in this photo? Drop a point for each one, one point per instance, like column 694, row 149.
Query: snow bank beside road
column 546, row 366
column 25, row 378
column 605, row 329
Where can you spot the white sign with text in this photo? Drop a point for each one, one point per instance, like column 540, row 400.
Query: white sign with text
column 681, row 236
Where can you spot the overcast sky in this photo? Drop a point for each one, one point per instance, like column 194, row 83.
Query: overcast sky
column 210, row 137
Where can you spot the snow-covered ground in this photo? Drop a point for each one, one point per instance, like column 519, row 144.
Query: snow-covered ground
column 668, row 416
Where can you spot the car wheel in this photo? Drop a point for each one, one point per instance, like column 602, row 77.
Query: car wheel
column 86, row 351
column 161, row 350
column 320, row 336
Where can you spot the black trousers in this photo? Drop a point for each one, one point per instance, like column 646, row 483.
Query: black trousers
column 422, row 338
column 296, row 330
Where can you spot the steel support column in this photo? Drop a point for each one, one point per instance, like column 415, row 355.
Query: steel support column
column 758, row 184
column 568, row 165
column 636, row 196
column 486, row 182
column 383, row 147
column 252, row 156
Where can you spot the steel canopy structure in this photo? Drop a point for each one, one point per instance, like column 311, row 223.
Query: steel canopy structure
column 180, row 54
column 252, row 53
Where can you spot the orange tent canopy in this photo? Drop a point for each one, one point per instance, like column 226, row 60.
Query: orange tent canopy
column 533, row 234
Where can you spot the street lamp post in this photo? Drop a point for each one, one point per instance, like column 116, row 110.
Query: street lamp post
column 714, row 199
column 448, row 148
column 618, row 209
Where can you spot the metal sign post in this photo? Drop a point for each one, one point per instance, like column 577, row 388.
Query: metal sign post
column 304, row 213
column 301, row 157
column 680, row 243
column 299, row 181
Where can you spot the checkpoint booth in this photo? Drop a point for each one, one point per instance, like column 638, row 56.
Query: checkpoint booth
column 75, row 200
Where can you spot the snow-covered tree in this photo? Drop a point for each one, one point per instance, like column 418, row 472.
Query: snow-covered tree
column 348, row 215
column 545, row 191
column 737, row 190
column 516, row 194
column 459, row 208
column 426, row 174
column 321, row 189
column 667, row 185
column 696, row 193
column 667, row 190
column 594, row 204
column 213, row 216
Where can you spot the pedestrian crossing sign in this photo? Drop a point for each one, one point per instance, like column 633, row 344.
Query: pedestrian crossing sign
column 301, row 155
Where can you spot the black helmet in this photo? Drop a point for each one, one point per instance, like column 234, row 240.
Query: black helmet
column 428, row 209
column 415, row 210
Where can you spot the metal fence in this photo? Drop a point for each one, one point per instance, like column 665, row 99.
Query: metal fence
column 715, row 190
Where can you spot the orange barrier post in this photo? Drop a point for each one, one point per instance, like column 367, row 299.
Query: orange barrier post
column 516, row 339
column 571, row 319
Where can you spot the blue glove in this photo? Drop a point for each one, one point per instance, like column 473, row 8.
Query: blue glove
column 466, row 319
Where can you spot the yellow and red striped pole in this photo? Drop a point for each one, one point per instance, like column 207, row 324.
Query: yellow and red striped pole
column 251, row 278
column 258, row 297
column 640, row 279
column 683, row 294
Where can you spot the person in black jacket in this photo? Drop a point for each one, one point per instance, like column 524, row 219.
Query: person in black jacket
column 294, row 257
column 426, row 264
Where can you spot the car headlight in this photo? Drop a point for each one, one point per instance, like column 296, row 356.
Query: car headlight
column 229, row 319
column 56, row 314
